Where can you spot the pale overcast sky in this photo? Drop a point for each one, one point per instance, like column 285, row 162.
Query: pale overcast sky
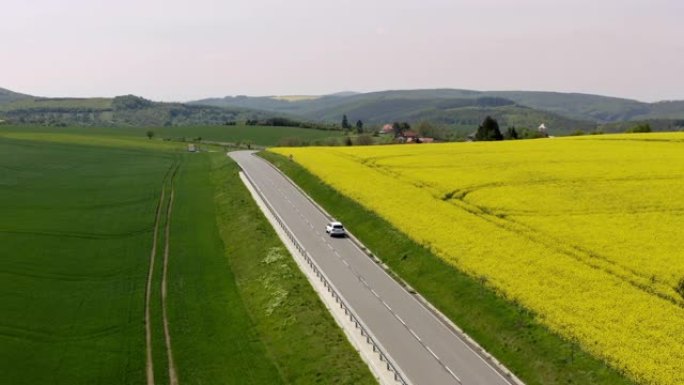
column 184, row 50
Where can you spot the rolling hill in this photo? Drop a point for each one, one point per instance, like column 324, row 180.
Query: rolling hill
column 561, row 111
column 457, row 110
column 7, row 96
column 126, row 110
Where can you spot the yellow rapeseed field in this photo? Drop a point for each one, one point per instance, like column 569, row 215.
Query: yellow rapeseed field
column 586, row 232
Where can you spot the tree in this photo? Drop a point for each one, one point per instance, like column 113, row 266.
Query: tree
column 489, row 130
column 348, row 141
column 150, row 134
column 359, row 126
column 396, row 128
column 526, row 133
column 511, row 133
column 400, row 128
column 425, row 130
column 130, row 102
column 345, row 123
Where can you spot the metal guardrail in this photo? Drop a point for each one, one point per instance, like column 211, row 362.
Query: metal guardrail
column 365, row 332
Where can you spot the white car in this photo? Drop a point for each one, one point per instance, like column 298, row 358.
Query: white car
column 335, row 229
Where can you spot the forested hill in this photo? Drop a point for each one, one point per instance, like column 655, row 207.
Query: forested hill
column 454, row 109
column 126, row 110
column 462, row 110
column 571, row 106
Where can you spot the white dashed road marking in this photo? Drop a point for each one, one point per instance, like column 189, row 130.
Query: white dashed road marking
column 431, row 352
column 415, row 335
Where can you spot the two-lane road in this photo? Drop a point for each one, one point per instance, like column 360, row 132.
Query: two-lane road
column 425, row 349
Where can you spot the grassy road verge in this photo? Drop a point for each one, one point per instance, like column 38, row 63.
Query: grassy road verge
column 301, row 336
column 214, row 339
column 505, row 329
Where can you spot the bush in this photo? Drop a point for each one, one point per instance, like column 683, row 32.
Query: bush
column 364, row 140
column 642, row 127
column 331, row 142
column 290, row 142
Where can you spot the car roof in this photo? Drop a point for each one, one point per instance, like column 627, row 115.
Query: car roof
column 333, row 223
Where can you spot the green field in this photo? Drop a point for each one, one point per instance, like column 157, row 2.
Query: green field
column 258, row 135
column 76, row 233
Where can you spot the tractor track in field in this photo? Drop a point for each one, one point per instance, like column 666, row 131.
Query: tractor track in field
column 149, row 365
column 173, row 377
column 168, row 183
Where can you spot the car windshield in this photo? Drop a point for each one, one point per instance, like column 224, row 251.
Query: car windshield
column 337, row 226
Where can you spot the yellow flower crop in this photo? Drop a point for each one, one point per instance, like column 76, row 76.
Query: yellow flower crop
column 586, row 232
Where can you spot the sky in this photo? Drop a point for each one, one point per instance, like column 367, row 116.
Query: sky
column 175, row 50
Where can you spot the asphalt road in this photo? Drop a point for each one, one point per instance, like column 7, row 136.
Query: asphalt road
column 425, row 349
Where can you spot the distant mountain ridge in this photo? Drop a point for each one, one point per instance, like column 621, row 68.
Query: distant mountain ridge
column 569, row 108
column 128, row 110
column 456, row 109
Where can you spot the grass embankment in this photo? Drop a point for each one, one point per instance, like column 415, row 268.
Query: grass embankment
column 505, row 329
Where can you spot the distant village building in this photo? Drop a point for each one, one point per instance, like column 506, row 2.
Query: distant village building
column 386, row 129
column 410, row 136
column 407, row 136
column 192, row 148
column 542, row 128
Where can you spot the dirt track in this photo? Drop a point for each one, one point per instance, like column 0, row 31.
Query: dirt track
column 149, row 365
column 173, row 377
